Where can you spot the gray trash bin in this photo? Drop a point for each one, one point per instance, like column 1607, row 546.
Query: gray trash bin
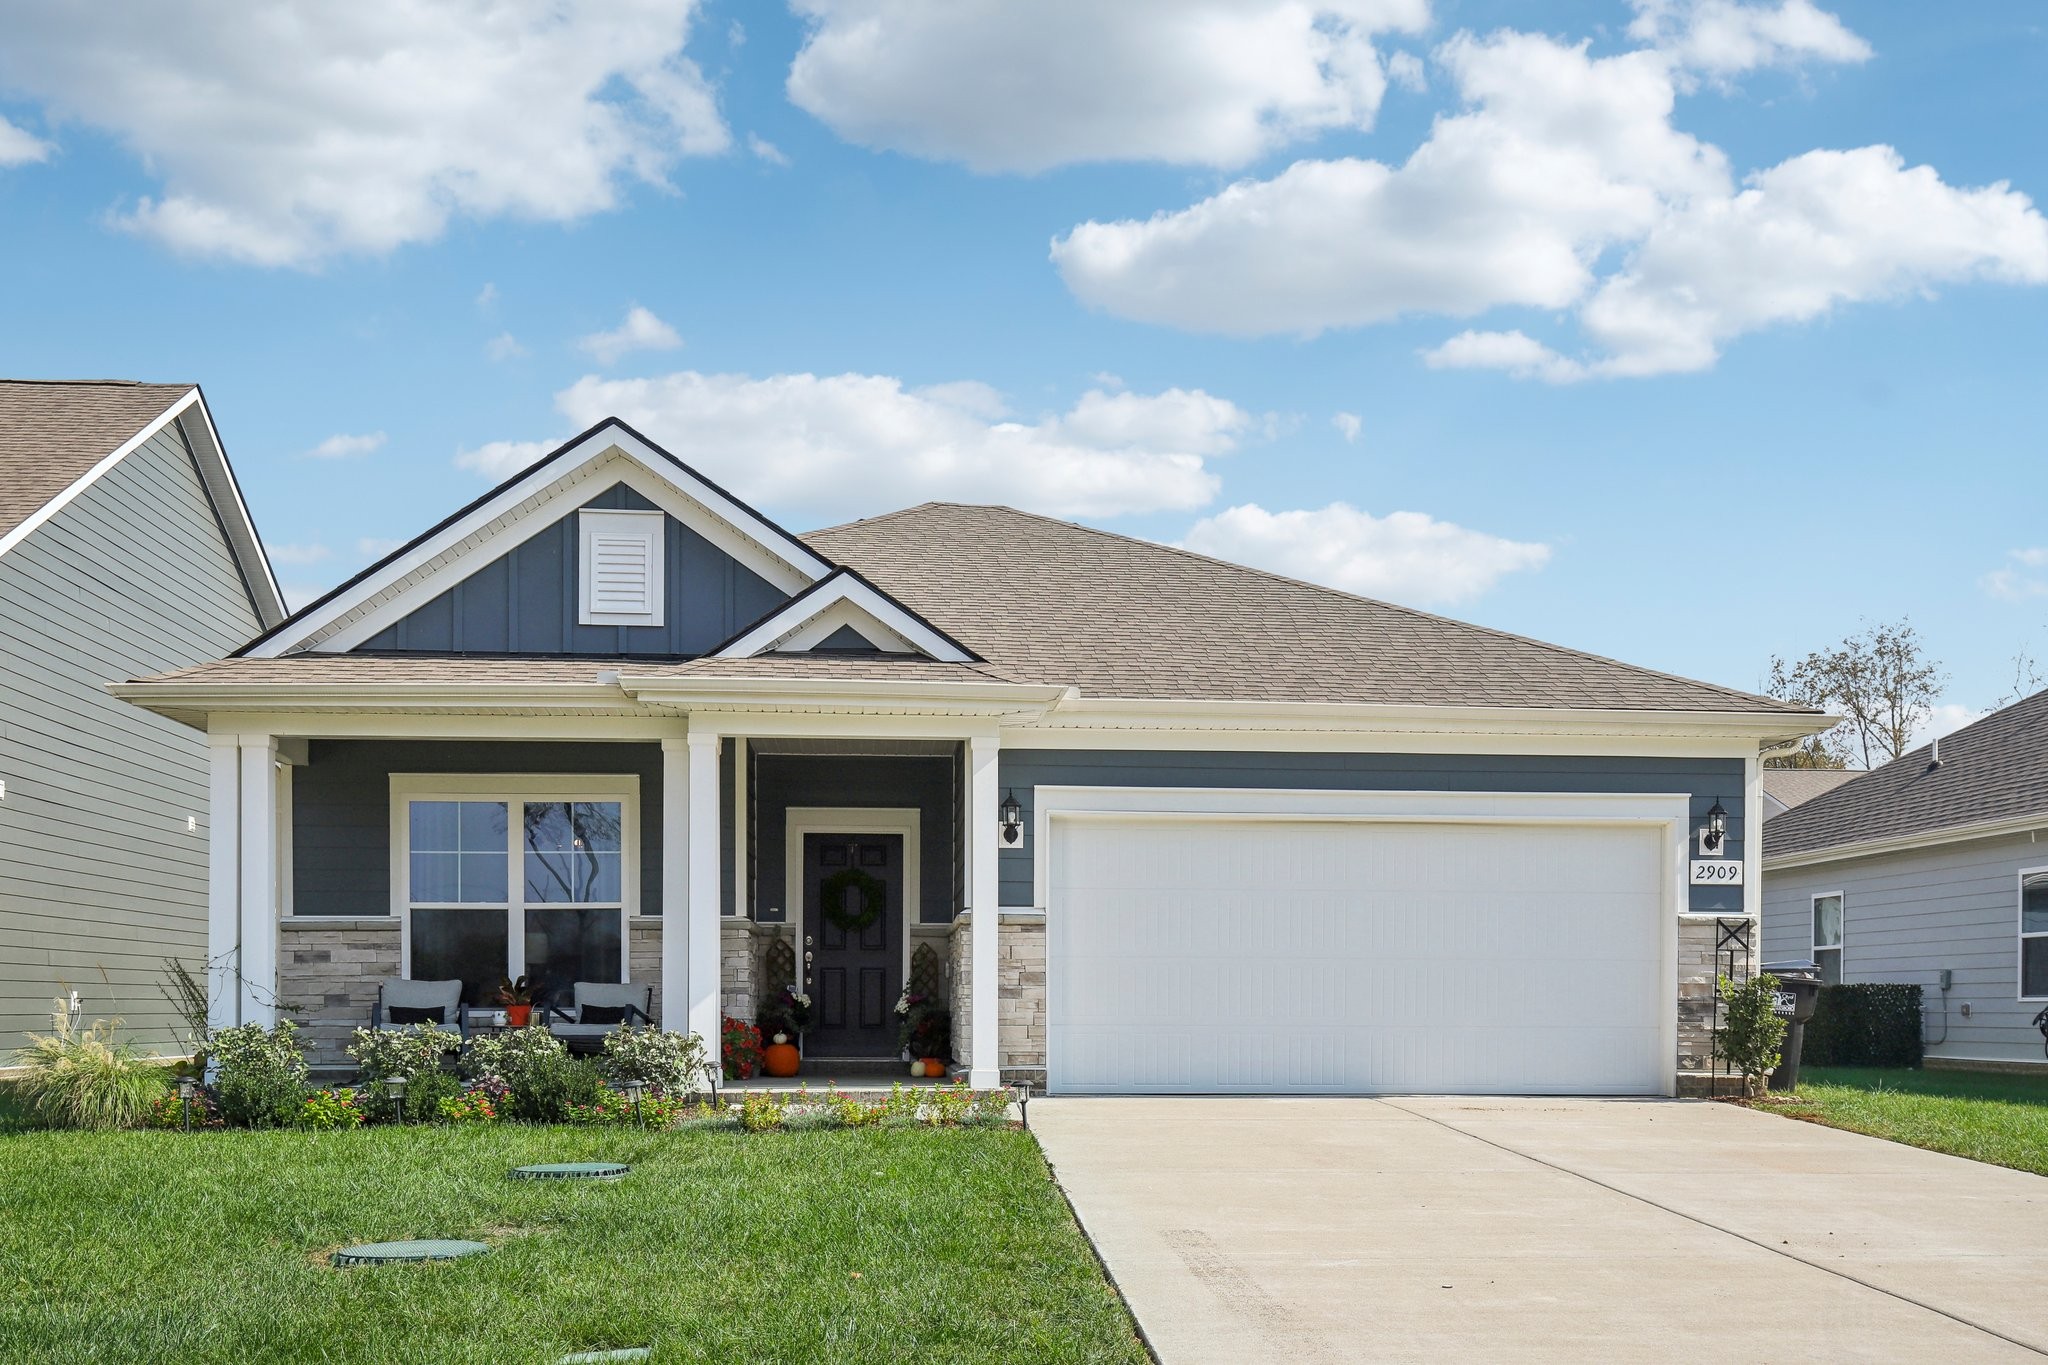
column 1798, row 993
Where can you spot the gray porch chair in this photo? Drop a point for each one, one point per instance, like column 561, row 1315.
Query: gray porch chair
column 632, row 999
column 398, row 992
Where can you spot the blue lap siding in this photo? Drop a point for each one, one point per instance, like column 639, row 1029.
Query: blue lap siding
column 1706, row 779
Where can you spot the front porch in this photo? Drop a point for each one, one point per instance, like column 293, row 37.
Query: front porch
column 680, row 854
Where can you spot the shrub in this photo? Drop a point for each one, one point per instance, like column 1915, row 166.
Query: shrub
column 88, row 1078
column 414, row 1052
column 741, row 1048
column 666, row 1063
column 1866, row 1024
column 326, row 1109
column 471, row 1106
column 425, row 1093
column 760, row 1111
column 1751, row 1032
column 615, row 1110
column 548, row 1088
column 260, row 1074
column 490, row 1062
column 168, row 1111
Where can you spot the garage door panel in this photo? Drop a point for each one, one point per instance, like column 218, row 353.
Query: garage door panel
column 1312, row 955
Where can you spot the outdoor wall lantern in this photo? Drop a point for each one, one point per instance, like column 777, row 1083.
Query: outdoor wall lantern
column 1716, row 828
column 1011, row 817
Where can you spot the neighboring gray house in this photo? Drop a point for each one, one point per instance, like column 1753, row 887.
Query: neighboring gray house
column 124, row 547
column 1150, row 821
column 1932, row 870
column 1785, row 788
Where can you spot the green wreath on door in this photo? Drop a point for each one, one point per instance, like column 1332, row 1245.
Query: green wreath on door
column 873, row 894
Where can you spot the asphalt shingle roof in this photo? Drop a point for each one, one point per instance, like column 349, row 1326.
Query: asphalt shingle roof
column 1796, row 786
column 1048, row 601
column 1996, row 769
column 52, row 432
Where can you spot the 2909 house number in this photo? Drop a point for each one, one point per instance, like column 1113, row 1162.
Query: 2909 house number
column 1716, row 872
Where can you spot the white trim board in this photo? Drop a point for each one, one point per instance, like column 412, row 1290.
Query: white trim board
column 801, row 820
column 556, row 486
column 844, row 598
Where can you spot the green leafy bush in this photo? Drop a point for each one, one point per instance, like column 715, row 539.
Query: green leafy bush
column 614, row 1110
column 327, row 1109
column 168, row 1111
column 425, row 1093
column 471, row 1106
column 1866, row 1024
column 260, row 1074
column 1751, row 1032
column 666, row 1063
column 414, row 1052
column 86, row 1078
column 761, row 1111
column 548, row 1089
column 490, row 1062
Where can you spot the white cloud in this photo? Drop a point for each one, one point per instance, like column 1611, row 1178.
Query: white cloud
column 298, row 554
column 1561, row 185
column 830, row 447
column 1009, row 87
column 341, row 447
column 297, row 595
column 641, row 331
column 1405, row 69
column 376, row 547
column 284, row 135
column 766, row 150
column 1404, row 556
column 487, row 295
column 2023, row 577
column 502, row 459
column 504, row 346
column 1348, row 425
column 1723, row 37
column 19, row 147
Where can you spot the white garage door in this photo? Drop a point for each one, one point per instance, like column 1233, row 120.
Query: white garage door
column 1199, row 956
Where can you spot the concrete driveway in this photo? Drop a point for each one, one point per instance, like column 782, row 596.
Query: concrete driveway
column 1538, row 1229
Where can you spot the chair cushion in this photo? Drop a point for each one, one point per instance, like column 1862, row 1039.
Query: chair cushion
column 399, row 991
column 422, row 1014
column 601, row 1014
column 614, row 994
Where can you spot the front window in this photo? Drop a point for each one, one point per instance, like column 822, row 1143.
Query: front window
column 1827, row 937
column 481, row 906
column 2034, row 935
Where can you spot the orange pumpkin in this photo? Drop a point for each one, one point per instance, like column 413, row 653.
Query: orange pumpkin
column 934, row 1066
column 781, row 1059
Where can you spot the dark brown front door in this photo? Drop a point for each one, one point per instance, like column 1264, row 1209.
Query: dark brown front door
column 853, row 956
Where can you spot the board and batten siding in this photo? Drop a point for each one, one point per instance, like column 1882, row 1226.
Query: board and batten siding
column 926, row 783
column 1905, row 916
column 526, row 601
column 100, row 878
column 1704, row 779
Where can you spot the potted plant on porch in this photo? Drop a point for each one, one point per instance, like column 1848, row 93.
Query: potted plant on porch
column 517, row 999
column 926, row 1033
column 783, row 1021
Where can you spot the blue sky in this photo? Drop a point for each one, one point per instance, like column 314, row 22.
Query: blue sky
column 1694, row 331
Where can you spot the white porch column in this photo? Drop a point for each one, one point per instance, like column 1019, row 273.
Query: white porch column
column 224, row 882
column 984, row 1067
column 675, row 886
column 702, row 919
column 258, row 840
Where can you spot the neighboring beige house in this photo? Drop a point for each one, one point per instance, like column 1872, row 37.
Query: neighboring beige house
column 124, row 547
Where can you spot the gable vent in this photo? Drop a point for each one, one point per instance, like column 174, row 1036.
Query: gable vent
column 621, row 568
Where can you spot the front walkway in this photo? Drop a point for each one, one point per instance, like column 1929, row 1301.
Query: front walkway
column 1545, row 1229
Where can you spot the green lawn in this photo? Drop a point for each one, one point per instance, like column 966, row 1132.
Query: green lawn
column 1999, row 1119
column 874, row 1244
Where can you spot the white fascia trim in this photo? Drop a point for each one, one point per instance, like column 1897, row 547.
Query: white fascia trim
column 91, row 476
column 1010, row 701
column 1084, row 713
column 777, row 557
column 1869, row 848
column 241, row 508
column 785, row 626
